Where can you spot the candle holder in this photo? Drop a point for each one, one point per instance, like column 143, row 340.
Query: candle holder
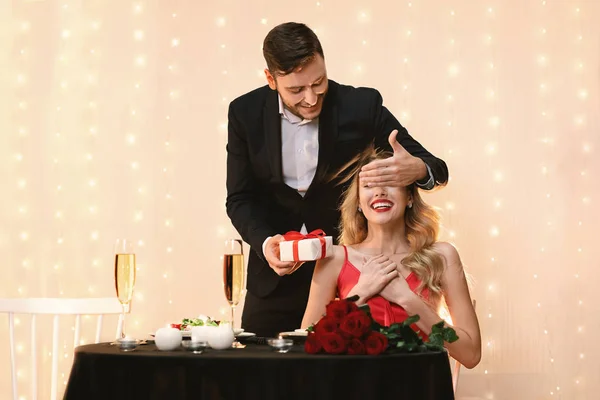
column 127, row 344
column 195, row 346
column 280, row 345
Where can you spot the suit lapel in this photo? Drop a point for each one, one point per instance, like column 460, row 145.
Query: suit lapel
column 272, row 124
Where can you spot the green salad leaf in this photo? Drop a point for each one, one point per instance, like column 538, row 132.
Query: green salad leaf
column 198, row 322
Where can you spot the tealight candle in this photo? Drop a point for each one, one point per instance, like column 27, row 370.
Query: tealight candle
column 127, row 343
column 281, row 345
column 167, row 338
column 196, row 347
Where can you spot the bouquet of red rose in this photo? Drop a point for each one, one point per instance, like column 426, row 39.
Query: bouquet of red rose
column 345, row 329
column 349, row 329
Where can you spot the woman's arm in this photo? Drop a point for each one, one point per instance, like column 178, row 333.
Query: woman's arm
column 323, row 286
column 467, row 349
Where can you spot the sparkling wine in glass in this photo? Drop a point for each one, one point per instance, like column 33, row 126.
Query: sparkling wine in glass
column 124, row 276
column 233, row 276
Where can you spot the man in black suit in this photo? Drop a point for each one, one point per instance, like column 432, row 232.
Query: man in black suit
column 286, row 141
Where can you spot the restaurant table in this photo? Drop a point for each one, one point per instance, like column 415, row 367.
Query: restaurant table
column 102, row 371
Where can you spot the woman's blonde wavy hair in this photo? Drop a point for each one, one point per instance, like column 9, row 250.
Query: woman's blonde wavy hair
column 422, row 225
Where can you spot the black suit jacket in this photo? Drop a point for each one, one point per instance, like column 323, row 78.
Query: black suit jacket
column 260, row 204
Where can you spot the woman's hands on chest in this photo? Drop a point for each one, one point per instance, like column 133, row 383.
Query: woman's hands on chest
column 381, row 275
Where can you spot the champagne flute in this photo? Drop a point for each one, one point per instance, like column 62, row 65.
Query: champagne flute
column 233, row 277
column 124, row 276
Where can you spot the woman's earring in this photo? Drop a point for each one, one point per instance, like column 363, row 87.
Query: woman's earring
column 409, row 205
column 359, row 209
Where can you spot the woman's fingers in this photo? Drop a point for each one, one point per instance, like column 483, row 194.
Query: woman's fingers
column 374, row 262
column 377, row 259
column 392, row 274
column 386, row 279
column 388, row 265
column 382, row 263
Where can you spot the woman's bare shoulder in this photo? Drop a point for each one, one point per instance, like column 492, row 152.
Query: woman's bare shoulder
column 448, row 252
column 335, row 260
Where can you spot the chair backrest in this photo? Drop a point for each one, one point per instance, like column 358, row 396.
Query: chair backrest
column 55, row 307
column 457, row 365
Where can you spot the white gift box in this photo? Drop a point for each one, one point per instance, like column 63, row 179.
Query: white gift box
column 308, row 249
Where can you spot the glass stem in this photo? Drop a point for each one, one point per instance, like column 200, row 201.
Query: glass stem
column 125, row 311
column 123, row 323
column 232, row 317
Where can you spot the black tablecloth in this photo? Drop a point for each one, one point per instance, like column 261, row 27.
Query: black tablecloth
column 103, row 372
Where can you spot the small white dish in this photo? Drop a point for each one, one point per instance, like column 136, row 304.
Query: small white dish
column 302, row 333
column 184, row 334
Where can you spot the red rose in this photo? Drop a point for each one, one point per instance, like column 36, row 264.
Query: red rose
column 333, row 343
column 312, row 344
column 356, row 324
column 356, row 347
column 352, row 306
column 326, row 325
column 376, row 343
column 338, row 309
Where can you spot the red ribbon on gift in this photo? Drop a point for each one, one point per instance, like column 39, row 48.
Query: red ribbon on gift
column 295, row 237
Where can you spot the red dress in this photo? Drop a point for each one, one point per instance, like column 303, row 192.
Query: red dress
column 382, row 311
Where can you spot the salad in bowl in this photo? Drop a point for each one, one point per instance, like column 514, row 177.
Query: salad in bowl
column 187, row 324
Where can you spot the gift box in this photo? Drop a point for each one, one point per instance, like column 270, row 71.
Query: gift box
column 299, row 247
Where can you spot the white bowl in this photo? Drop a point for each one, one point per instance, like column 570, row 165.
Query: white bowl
column 221, row 337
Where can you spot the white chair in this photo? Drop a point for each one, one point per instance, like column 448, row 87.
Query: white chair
column 56, row 307
column 457, row 365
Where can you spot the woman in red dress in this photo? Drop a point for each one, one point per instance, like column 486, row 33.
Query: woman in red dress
column 390, row 257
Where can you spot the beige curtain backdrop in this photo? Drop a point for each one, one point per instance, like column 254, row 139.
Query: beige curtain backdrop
column 113, row 123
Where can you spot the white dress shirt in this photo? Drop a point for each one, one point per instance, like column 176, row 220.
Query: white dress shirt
column 299, row 149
